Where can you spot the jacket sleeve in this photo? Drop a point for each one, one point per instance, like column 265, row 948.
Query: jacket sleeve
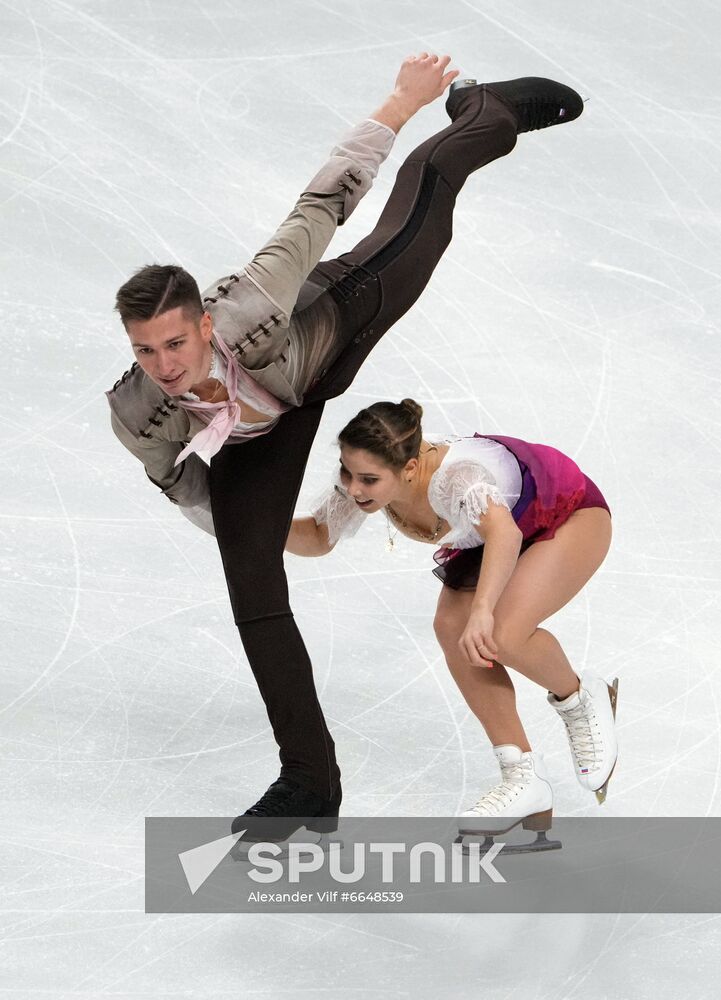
column 283, row 264
column 201, row 516
column 251, row 309
column 187, row 485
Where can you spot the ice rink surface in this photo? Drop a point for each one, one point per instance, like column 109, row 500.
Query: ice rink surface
column 578, row 306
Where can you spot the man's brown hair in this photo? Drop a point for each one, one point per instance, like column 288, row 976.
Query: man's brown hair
column 155, row 289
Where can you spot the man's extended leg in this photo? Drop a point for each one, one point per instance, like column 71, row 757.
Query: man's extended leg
column 379, row 280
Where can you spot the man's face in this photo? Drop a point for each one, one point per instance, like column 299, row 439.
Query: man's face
column 173, row 349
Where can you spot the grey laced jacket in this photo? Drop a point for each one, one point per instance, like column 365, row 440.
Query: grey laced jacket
column 252, row 310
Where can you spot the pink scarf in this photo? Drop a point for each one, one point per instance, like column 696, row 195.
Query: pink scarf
column 227, row 412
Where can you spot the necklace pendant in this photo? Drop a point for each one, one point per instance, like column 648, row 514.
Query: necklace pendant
column 389, row 545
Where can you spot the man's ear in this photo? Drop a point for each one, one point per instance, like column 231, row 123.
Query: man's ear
column 206, row 326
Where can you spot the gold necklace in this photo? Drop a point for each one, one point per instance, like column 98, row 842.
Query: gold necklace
column 425, row 535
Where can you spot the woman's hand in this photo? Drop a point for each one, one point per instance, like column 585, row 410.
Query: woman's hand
column 477, row 639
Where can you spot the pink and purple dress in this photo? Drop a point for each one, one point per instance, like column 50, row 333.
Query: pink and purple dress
column 552, row 488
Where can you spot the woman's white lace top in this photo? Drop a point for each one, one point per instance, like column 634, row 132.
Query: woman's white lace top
column 474, row 472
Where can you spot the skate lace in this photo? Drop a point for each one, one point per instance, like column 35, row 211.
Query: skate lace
column 501, row 795
column 539, row 111
column 584, row 735
column 273, row 802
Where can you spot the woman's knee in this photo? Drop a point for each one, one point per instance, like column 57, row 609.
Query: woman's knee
column 446, row 629
column 448, row 624
column 510, row 637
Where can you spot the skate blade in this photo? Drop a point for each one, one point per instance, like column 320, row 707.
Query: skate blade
column 601, row 792
column 613, row 695
column 300, row 841
column 541, row 843
column 535, row 823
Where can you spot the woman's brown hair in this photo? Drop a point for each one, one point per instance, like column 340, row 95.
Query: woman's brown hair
column 389, row 431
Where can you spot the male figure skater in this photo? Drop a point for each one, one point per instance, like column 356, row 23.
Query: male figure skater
column 253, row 360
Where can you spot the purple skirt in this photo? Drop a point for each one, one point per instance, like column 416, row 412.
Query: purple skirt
column 552, row 488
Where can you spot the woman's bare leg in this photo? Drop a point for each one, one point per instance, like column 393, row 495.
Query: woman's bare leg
column 548, row 575
column 488, row 693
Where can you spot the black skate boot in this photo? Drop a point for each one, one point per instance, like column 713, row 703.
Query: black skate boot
column 536, row 102
column 285, row 808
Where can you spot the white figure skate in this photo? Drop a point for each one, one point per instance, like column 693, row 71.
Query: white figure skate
column 524, row 796
column 589, row 716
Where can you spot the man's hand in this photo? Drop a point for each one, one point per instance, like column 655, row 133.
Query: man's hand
column 421, row 79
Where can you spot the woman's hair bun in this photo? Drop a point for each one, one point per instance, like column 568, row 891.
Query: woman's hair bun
column 390, row 431
column 415, row 408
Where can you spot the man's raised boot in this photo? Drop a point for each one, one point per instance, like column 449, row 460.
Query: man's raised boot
column 536, row 102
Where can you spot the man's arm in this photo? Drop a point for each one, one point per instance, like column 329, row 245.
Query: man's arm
column 272, row 280
column 283, row 264
column 280, row 268
column 187, row 486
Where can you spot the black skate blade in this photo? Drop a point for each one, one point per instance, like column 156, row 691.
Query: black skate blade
column 541, row 843
column 297, row 844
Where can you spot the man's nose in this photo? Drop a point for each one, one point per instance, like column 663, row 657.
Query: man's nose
column 164, row 362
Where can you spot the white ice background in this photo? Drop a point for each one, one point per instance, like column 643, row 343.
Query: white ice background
column 578, row 306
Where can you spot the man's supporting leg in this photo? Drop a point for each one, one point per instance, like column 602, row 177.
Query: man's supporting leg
column 379, row 280
column 254, row 487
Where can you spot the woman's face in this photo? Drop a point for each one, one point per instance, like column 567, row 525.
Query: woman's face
column 370, row 482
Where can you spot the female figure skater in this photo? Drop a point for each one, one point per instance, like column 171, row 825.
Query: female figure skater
column 521, row 529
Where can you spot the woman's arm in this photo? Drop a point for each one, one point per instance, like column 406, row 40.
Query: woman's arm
column 306, row 538
column 502, row 542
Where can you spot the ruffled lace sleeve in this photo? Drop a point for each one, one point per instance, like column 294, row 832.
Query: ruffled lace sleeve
column 336, row 509
column 461, row 492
